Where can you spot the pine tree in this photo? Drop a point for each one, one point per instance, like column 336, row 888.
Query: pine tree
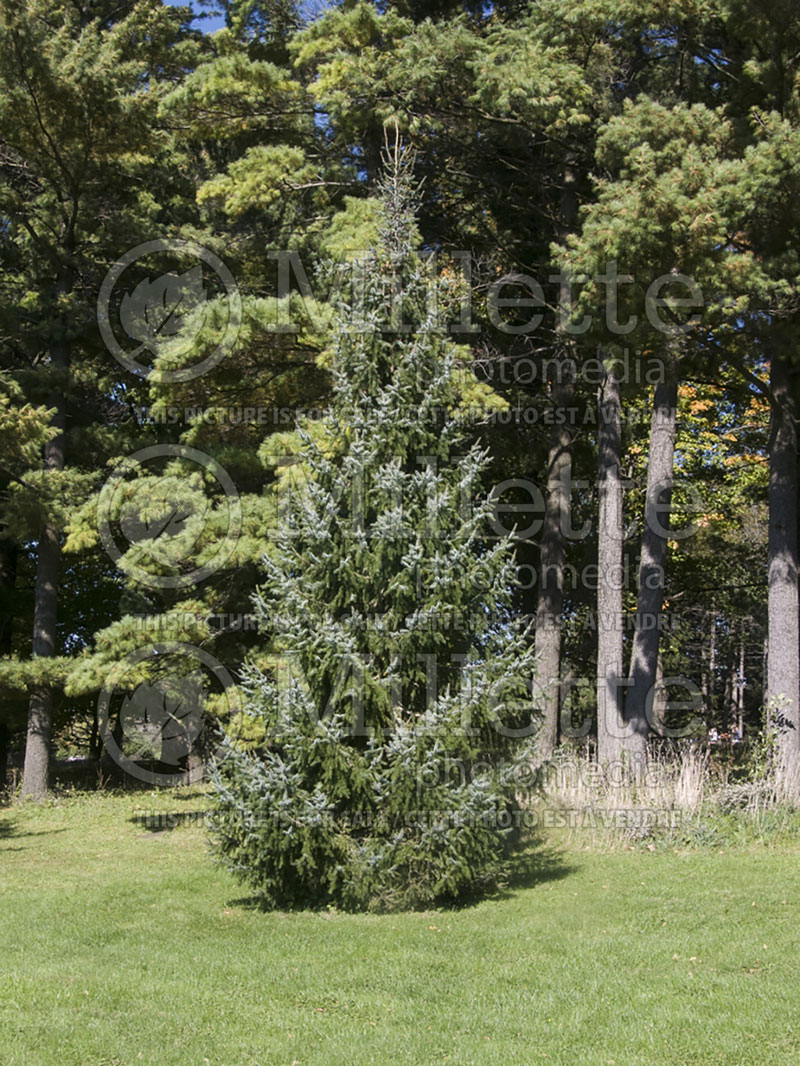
column 81, row 177
column 395, row 714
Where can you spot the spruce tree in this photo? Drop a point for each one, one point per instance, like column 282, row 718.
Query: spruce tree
column 395, row 717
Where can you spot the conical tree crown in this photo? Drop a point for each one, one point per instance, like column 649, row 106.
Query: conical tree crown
column 399, row 690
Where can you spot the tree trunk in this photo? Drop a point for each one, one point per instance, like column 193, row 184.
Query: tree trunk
column 8, row 580
column 551, row 568
column 549, row 609
column 611, row 729
column 741, row 683
column 644, row 654
column 4, row 738
column 764, row 685
column 35, row 778
column 658, row 719
column 783, row 669
column 727, row 699
column 40, row 708
column 712, row 664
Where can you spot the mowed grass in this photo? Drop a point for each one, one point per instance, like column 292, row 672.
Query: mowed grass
column 120, row 946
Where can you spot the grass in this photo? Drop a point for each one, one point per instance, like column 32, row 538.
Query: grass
column 120, row 946
column 724, row 800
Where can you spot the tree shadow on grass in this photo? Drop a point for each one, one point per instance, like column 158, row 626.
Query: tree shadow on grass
column 9, row 827
column 165, row 821
column 534, row 864
column 537, row 864
column 10, row 830
column 160, row 821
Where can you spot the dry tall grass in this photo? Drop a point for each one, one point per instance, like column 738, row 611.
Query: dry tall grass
column 678, row 786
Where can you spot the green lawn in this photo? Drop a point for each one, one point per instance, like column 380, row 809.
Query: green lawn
column 120, row 946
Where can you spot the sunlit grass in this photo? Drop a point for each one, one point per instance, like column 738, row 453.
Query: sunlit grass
column 121, row 946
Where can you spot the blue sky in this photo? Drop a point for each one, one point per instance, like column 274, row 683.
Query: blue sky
column 311, row 8
column 207, row 25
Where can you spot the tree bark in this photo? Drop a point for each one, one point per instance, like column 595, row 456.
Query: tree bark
column 712, row 664
column 765, row 684
column 740, row 680
column 783, row 668
column 658, row 716
column 551, row 568
column 728, row 698
column 35, row 777
column 549, row 609
column 611, row 727
column 4, row 738
column 8, row 580
column 646, row 639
